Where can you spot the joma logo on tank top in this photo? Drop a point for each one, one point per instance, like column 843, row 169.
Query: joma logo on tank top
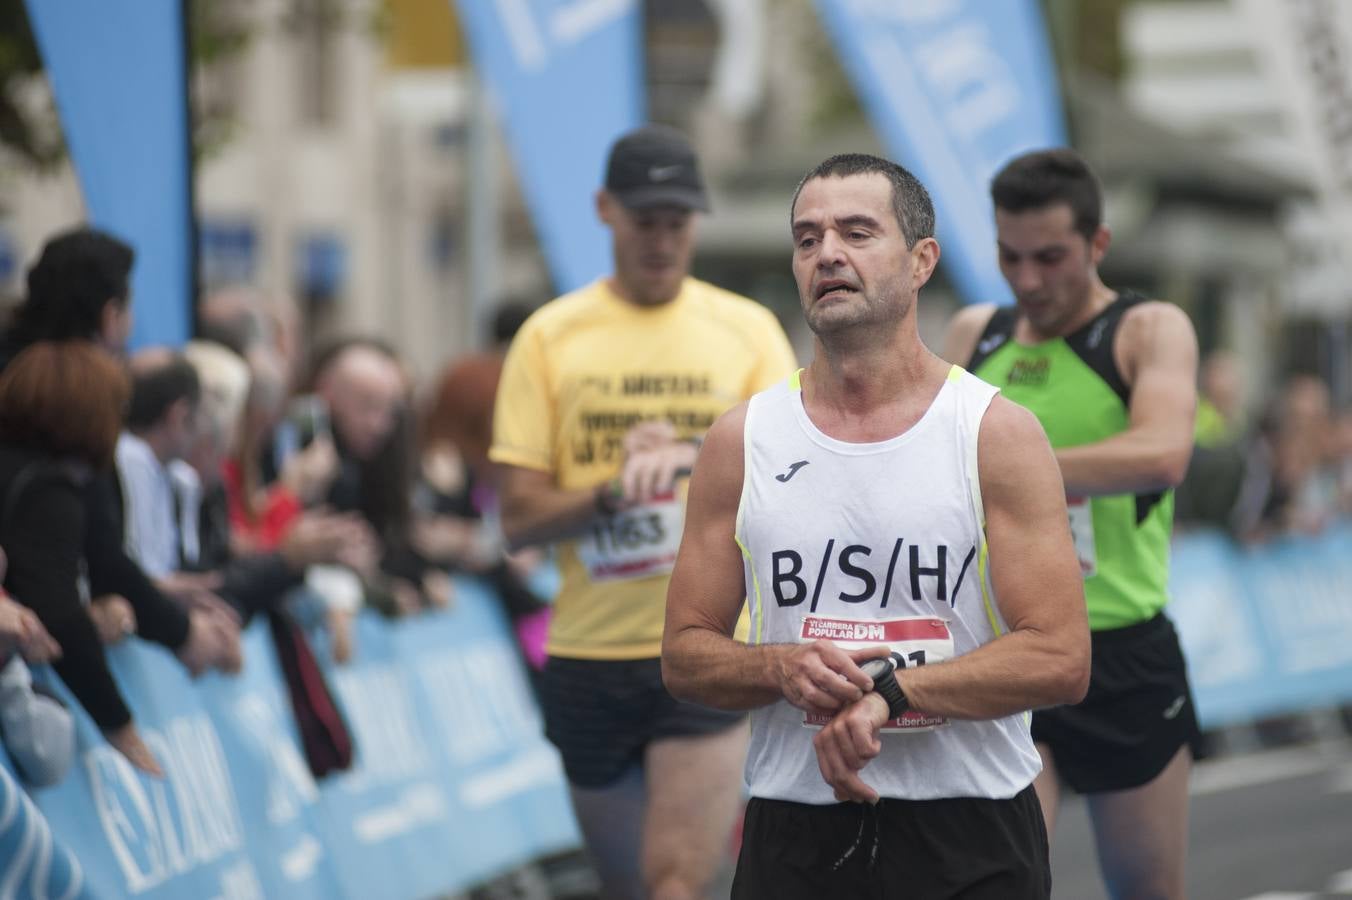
column 1031, row 372
column 799, row 576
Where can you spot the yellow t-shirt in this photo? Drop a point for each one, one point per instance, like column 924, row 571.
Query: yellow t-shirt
column 581, row 372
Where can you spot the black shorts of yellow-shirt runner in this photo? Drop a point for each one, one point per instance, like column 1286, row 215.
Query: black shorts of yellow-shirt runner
column 1136, row 715
column 973, row 848
column 603, row 714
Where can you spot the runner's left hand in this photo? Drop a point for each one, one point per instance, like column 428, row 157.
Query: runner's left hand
column 653, row 457
column 848, row 743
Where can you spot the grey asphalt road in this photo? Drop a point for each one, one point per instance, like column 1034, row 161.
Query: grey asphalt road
column 1265, row 825
column 1275, row 825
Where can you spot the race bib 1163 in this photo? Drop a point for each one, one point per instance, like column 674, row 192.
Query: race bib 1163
column 636, row 543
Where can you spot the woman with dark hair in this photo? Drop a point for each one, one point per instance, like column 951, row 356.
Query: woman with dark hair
column 61, row 409
column 79, row 290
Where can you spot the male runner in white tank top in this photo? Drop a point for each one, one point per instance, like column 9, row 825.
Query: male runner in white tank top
column 899, row 533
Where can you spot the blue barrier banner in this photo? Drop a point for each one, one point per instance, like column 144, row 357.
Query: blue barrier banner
column 36, row 863
column 955, row 88
column 453, row 781
column 276, row 794
column 137, row 835
column 567, row 79
column 1266, row 630
column 116, row 68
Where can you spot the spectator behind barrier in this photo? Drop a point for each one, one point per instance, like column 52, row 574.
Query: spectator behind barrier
column 243, row 318
column 254, row 580
column 263, row 508
column 1211, row 489
column 456, row 517
column 161, row 426
column 79, row 290
column 1291, row 473
column 161, row 529
column 60, row 412
column 364, row 391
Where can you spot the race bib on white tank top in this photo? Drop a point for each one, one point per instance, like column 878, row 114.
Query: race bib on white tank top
column 914, row 641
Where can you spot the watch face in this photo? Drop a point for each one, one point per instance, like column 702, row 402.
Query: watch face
column 876, row 668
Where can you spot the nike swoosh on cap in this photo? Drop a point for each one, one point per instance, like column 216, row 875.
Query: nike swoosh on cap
column 663, row 173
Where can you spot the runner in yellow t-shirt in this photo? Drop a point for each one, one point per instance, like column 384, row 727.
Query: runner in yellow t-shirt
column 604, row 397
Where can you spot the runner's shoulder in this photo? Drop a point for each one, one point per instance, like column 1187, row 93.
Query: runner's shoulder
column 1148, row 320
column 964, row 329
column 568, row 312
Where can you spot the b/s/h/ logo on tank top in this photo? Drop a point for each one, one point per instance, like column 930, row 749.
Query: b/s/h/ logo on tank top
column 875, row 544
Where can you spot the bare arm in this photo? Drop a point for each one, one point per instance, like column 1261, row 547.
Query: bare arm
column 536, row 511
column 701, row 661
column 964, row 331
column 1043, row 659
column 1157, row 352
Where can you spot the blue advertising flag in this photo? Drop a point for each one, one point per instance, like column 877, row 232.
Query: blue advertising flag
column 955, row 88
column 117, row 71
column 566, row 76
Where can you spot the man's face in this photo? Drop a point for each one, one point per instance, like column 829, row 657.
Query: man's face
column 207, row 453
column 850, row 259
column 1049, row 265
column 182, row 427
column 115, row 326
column 652, row 248
column 364, row 398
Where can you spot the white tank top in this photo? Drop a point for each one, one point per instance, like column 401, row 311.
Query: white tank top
column 864, row 544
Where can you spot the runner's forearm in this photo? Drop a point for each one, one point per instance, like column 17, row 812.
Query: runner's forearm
column 1019, row 671
column 542, row 517
column 703, row 666
column 1126, row 463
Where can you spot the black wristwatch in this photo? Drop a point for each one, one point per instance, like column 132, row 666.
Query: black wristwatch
column 884, row 674
column 607, row 497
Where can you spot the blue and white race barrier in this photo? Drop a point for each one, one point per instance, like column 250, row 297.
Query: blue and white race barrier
column 453, row 783
column 1266, row 630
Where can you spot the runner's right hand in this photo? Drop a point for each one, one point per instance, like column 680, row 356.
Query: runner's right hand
column 822, row 678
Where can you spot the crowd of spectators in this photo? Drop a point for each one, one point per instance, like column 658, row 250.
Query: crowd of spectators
column 178, row 493
column 1287, row 472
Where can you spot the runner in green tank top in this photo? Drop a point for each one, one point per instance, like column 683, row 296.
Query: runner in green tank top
column 1111, row 376
column 1071, row 385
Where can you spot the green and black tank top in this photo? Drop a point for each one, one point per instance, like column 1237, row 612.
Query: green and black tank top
column 1072, row 384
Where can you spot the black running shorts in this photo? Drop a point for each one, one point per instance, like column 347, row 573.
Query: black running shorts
column 968, row 847
column 1138, row 712
column 602, row 714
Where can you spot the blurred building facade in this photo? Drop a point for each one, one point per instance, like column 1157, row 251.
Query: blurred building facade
column 359, row 171
column 1269, row 84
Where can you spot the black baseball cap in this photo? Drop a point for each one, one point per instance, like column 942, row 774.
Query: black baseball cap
column 655, row 166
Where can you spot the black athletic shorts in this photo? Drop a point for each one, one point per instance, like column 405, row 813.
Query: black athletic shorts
column 968, row 847
column 1138, row 712
column 602, row 714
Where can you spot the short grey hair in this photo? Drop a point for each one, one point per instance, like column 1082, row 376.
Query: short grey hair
column 911, row 203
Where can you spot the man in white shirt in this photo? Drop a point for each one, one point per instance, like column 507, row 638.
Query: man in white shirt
column 161, row 423
column 899, row 534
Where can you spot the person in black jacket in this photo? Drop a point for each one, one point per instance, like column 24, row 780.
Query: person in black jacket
column 79, row 290
column 60, row 413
